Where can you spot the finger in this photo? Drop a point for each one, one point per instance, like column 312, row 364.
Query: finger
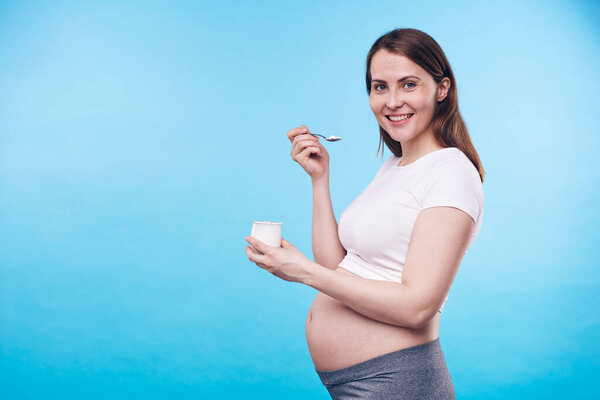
column 296, row 131
column 263, row 266
column 297, row 148
column 307, row 152
column 253, row 256
column 307, row 142
column 292, row 133
column 258, row 245
column 305, row 136
column 299, row 145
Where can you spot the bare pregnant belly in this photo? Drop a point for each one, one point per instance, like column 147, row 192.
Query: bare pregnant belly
column 337, row 336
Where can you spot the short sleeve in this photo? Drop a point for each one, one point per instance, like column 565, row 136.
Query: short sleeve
column 454, row 183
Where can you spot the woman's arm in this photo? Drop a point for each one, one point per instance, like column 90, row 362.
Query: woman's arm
column 439, row 239
column 314, row 158
column 388, row 302
column 326, row 246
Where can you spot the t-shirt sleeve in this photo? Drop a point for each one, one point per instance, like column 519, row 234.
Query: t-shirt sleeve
column 454, row 183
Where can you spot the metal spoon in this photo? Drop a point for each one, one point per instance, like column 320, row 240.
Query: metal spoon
column 329, row 139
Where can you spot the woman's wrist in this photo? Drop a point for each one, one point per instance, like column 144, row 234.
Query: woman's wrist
column 312, row 273
column 323, row 180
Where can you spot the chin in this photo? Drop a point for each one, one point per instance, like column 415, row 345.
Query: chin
column 400, row 137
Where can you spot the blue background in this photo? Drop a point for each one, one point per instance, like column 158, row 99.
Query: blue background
column 138, row 140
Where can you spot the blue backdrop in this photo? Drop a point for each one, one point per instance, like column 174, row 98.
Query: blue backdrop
column 139, row 139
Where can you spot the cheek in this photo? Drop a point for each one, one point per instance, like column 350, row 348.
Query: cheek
column 422, row 104
column 426, row 101
column 375, row 104
column 372, row 105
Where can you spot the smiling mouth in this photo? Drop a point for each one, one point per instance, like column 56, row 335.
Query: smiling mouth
column 397, row 118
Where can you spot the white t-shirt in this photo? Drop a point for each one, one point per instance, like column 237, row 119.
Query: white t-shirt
column 376, row 227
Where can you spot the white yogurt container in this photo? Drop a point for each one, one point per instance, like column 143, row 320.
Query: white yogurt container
column 268, row 232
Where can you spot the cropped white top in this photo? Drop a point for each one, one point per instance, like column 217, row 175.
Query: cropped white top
column 376, row 227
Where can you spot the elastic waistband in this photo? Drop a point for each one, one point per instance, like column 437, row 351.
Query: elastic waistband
column 423, row 356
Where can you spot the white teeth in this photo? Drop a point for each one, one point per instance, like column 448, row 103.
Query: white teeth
column 402, row 118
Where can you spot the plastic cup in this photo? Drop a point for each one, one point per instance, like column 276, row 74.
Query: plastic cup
column 267, row 232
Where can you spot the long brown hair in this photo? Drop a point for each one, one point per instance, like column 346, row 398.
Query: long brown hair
column 447, row 124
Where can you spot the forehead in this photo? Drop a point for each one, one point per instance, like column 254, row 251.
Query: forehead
column 386, row 65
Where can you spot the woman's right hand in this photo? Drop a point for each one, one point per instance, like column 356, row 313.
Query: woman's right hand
column 309, row 152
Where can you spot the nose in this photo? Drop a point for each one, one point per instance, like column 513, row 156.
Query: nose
column 394, row 99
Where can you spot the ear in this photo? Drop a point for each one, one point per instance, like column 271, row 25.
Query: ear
column 443, row 88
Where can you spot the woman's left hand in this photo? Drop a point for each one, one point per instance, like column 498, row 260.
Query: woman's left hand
column 287, row 262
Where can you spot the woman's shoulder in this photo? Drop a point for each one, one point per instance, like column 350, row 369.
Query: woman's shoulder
column 453, row 162
column 453, row 180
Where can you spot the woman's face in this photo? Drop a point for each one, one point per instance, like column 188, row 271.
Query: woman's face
column 401, row 88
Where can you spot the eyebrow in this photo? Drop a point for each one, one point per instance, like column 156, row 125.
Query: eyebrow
column 399, row 80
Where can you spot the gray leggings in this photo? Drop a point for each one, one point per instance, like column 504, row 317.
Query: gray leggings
column 417, row 372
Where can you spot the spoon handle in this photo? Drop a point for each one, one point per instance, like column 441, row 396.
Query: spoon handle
column 316, row 134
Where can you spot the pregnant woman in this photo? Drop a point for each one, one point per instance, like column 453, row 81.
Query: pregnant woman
column 384, row 273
